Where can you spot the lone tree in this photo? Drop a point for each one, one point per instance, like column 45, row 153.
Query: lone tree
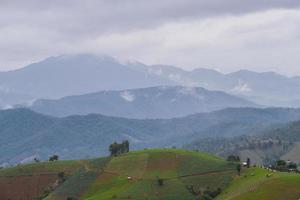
column 118, row 149
column 248, row 162
column 53, row 158
column 238, row 168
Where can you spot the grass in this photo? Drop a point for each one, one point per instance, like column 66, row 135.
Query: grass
column 107, row 178
column 68, row 166
column 144, row 167
column 254, row 184
column 80, row 180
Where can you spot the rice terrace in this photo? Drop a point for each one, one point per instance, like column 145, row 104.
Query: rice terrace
column 147, row 174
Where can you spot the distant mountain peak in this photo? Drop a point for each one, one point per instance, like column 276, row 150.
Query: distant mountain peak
column 151, row 102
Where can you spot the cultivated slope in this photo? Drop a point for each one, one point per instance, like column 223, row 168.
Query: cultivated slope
column 36, row 180
column 255, row 184
column 154, row 102
column 184, row 175
column 180, row 171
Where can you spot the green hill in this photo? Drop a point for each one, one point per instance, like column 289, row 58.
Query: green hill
column 166, row 174
column 180, row 171
column 255, row 184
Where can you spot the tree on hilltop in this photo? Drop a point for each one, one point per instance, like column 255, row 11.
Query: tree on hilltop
column 118, row 149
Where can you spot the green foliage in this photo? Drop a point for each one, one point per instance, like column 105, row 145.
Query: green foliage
column 254, row 184
column 292, row 166
column 280, row 163
column 53, row 158
column 118, row 149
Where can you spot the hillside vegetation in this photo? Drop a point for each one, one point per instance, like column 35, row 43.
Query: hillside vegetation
column 26, row 134
column 280, row 141
column 33, row 181
column 162, row 174
column 255, row 184
column 136, row 175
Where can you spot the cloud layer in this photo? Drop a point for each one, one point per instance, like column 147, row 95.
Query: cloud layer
column 228, row 35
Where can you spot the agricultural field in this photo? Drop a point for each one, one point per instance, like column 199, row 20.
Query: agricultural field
column 136, row 175
column 153, row 174
column 258, row 183
column 32, row 180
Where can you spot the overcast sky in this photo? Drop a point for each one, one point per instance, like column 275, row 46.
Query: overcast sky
column 228, row 35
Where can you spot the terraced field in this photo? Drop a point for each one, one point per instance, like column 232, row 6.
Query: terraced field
column 177, row 168
column 255, row 184
column 32, row 180
column 159, row 174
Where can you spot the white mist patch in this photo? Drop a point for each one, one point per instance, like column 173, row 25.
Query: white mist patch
column 30, row 102
column 127, row 96
column 191, row 91
column 175, row 77
column 242, row 88
column 157, row 72
column 188, row 91
column 7, row 107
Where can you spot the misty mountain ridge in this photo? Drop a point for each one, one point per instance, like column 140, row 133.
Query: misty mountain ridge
column 153, row 102
column 68, row 75
column 265, row 88
column 56, row 77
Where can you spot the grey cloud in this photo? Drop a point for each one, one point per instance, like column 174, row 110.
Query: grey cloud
column 33, row 29
column 94, row 16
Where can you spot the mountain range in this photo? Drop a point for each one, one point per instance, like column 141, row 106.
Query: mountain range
column 267, row 88
column 26, row 134
column 56, row 77
column 68, row 75
column 153, row 102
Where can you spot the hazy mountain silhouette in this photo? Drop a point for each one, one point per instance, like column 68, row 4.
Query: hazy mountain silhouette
column 153, row 102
